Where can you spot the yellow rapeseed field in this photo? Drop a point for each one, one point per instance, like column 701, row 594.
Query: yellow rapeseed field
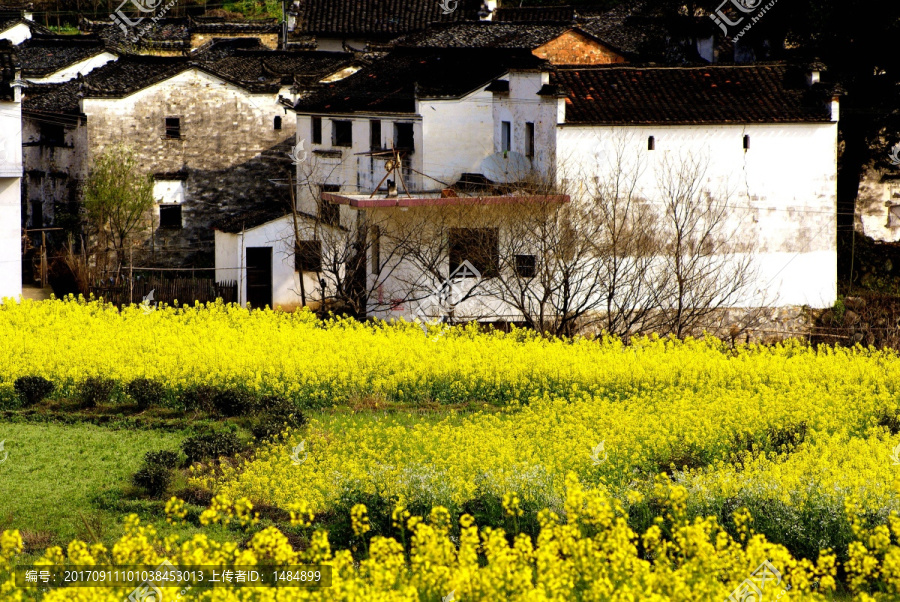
column 653, row 470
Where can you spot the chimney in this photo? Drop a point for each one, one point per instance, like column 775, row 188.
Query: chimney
column 814, row 73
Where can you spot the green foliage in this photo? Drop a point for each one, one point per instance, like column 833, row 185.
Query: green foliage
column 234, row 401
column 32, row 389
column 95, row 390
column 146, row 392
column 154, row 478
column 276, row 414
column 117, row 195
column 163, row 457
column 211, row 445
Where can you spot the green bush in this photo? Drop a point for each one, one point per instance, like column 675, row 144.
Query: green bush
column 276, row 414
column 32, row 389
column 154, row 478
column 146, row 392
column 95, row 390
column 164, row 457
column 234, row 401
column 199, row 397
column 211, row 445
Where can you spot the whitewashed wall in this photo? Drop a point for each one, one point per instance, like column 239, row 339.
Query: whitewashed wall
column 72, row 71
column 782, row 191
column 522, row 105
column 11, row 198
column 16, row 34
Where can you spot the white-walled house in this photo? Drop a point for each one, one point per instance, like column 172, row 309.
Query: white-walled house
column 10, row 173
column 766, row 136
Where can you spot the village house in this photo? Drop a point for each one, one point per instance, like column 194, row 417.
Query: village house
column 209, row 128
column 10, row 172
column 17, row 24
column 767, row 134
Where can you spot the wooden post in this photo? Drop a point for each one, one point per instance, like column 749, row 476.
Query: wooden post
column 43, row 259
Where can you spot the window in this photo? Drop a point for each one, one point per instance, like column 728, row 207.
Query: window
column 37, row 214
column 52, row 134
column 529, row 139
column 376, row 249
column 173, row 127
column 375, row 134
column 308, row 256
column 317, row 130
column 278, row 123
column 505, row 135
column 893, row 216
column 341, row 133
column 651, row 143
column 170, row 217
column 403, row 136
column 746, row 142
column 478, row 246
column 329, row 213
column 526, row 266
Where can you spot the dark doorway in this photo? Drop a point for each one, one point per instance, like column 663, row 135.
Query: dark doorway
column 259, row 276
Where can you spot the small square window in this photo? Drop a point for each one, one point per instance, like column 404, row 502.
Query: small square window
column 277, row 123
column 478, row 246
column 651, row 143
column 529, row 139
column 403, row 136
column 173, row 127
column 170, row 217
column 308, row 256
column 52, row 134
column 505, row 135
column 341, row 133
column 37, row 214
column 317, row 130
column 893, row 216
column 526, row 266
column 329, row 213
column 746, row 142
column 375, row 134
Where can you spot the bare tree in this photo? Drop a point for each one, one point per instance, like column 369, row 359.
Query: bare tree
column 709, row 262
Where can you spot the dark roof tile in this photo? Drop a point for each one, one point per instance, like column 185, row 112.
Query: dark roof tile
column 685, row 95
column 391, row 84
column 376, row 18
column 42, row 55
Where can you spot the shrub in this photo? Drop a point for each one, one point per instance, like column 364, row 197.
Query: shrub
column 277, row 413
column 154, row 478
column 199, row 397
column 788, row 437
column 146, row 392
column 211, row 445
column 164, row 457
column 234, row 401
column 32, row 389
column 95, row 390
column 890, row 420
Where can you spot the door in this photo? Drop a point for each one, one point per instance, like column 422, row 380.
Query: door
column 259, row 276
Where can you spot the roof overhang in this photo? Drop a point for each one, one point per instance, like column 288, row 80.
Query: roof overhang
column 431, row 200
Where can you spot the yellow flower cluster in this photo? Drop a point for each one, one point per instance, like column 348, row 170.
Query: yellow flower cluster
column 590, row 554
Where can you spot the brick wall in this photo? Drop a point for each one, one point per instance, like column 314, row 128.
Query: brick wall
column 573, row 48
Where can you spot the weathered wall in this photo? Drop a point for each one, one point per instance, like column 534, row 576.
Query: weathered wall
column 878, row 204
column 10, row 199
column 782, row 191
column 270, row 40
column 229, row 151
column 16, row 34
